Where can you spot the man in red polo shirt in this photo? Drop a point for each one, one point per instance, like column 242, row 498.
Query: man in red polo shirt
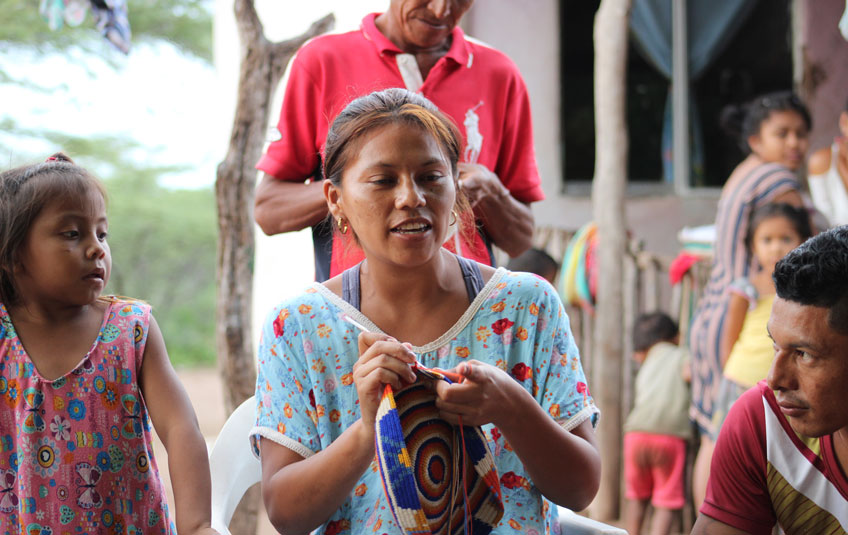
column 415, row 44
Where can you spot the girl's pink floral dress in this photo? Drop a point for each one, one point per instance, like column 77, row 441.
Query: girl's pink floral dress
column 75, row 453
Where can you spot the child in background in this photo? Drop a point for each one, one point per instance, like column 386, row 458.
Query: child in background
column 535, row 261
column 658, row 427
column 746, row 348
column 79, row 372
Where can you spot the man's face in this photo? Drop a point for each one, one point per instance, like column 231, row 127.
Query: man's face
column 427, row 24
column 810, row 369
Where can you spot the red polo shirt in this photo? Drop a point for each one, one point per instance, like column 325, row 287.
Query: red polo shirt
column 477, row 86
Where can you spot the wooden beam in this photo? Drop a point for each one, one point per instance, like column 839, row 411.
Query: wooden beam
column 608, row 190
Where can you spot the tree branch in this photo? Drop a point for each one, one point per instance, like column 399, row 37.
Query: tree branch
column 282, row 51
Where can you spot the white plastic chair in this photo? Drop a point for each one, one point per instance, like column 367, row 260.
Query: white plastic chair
column 573, row 524
column 232, row 463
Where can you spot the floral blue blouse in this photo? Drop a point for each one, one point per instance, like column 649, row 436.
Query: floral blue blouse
column 306, row 397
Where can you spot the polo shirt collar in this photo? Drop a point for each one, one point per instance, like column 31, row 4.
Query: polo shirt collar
column 458, row 52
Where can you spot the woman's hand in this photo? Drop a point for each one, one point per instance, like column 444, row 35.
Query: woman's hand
column 382, row 360
column 486, row 395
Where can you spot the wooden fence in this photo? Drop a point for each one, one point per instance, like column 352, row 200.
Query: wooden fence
column 647, row 288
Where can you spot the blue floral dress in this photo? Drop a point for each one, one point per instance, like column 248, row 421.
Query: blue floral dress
column 306, row 397
column 75, row 452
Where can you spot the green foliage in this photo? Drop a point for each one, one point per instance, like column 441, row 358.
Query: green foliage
column 187, row 24
column 163, row 251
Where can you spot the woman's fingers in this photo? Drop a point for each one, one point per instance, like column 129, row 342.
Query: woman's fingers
column 387, row 368
column 477, row 399
column 387, row 355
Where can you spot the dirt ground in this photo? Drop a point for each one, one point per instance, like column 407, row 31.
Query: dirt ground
column 206, row 392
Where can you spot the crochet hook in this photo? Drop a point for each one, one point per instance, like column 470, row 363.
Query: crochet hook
column 416, row 365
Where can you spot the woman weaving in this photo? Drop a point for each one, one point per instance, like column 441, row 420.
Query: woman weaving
column 391, row 166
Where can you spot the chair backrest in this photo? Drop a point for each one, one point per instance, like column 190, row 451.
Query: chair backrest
column 573, row 524
column 233, row 465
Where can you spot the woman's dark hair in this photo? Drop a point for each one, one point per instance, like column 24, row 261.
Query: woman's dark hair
column 381, row 108
column 24, row 192
column 388, row 107
column 813, row 274
column 742, row 121
column 652, row 328
column 799, row 218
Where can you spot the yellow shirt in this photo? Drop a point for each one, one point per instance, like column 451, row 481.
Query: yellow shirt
column 751, row 356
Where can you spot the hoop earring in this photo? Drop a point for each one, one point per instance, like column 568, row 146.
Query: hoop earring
column 453, row 213
column 342, row 225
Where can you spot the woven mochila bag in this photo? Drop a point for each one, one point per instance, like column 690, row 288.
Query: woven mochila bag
column 438, row 478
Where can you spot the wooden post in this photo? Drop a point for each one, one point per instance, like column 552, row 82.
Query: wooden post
column 262, row 66
column 608, row 188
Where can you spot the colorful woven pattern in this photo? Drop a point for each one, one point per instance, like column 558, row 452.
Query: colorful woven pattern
column 422, row 458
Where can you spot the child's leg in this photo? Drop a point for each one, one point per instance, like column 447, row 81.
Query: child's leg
column 661, row 521
column 669, row 466
column 634, row 516
column 637, row 480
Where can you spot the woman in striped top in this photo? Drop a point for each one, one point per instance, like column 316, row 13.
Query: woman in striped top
column 773, row 128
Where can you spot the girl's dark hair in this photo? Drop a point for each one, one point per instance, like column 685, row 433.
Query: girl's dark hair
column 24, row 192
column 799, row 218
column 742, row 121
column 382, row 108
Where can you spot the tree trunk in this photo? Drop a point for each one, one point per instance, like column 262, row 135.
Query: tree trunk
column 262, row 66
column 608, row 188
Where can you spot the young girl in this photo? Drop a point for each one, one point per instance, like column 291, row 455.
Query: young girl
column 79, row 372
column 746, row 349
column 773, row 129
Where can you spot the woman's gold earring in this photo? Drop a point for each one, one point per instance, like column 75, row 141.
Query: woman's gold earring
column 453, row 213
column 342, row 225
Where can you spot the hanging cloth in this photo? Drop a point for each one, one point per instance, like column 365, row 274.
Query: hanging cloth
column 110, row 18
column 710, row 26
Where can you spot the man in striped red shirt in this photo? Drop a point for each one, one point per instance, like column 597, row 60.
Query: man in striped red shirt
column 782, row 454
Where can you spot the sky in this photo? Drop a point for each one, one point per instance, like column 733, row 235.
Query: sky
column 155, row 96
column 177, row 107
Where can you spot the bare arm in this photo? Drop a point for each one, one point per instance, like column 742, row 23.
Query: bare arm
column 819, row 162
column 736, row 311
column 790, row 197
column 300, row 494
column 507, row 220
column 565, row 466
column 176, row 424
column 285, row 206
column 706, row 525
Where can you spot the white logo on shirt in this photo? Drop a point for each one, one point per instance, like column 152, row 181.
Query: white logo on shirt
column 473, row 137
